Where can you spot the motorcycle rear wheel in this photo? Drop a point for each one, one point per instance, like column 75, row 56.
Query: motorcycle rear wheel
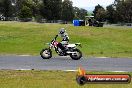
column 77, row 55
column 46, row 53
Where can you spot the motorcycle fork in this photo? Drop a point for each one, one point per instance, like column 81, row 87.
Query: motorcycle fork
column 56, row 50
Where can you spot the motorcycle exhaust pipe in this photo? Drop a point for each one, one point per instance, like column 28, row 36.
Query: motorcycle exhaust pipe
column 71, row 53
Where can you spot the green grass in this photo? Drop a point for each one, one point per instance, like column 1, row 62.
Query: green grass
column 29, row 38
column 49, row 79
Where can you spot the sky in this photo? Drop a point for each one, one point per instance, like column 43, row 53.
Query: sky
column 91, row 3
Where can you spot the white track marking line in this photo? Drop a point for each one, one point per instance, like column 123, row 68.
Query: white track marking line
column 70, row 70
column 102, row 57
column 24, row 55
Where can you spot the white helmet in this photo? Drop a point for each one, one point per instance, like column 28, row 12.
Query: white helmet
column 62, row 31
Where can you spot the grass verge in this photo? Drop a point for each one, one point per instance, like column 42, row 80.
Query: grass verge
column 49, row 79
column 29, row 38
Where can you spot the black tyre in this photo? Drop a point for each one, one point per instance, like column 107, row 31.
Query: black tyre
column 81, row 80
column 46, row 53
column 77, row 55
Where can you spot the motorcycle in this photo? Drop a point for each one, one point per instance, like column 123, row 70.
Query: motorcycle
column 70, row 50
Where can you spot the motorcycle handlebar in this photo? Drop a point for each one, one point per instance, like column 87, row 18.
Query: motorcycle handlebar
column 54, row 38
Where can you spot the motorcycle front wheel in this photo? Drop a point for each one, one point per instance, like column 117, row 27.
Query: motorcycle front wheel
column 46, row 53
column 76, row 55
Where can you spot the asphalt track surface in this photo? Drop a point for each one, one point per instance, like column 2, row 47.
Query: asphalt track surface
column 65, row 63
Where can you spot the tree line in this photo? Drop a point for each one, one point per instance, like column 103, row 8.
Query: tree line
column 119, row 11
column 38, row 9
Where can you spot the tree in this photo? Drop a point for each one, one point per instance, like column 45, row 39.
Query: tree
column 76, row 11
column 36, row 6
column 83, row 13
column 67, row 10
column 25, row 12
column 96, row 10
column 99, row 13
column 111, row 14
column 1, row 6
column 6, row 8
column 33, row 5
column 51, row 9
column 124, row 10
column 79, row 13
column 56, row 9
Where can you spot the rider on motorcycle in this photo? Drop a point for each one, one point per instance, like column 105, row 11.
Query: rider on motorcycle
column 65, row 39
column 64, row 35
column 63, row 48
